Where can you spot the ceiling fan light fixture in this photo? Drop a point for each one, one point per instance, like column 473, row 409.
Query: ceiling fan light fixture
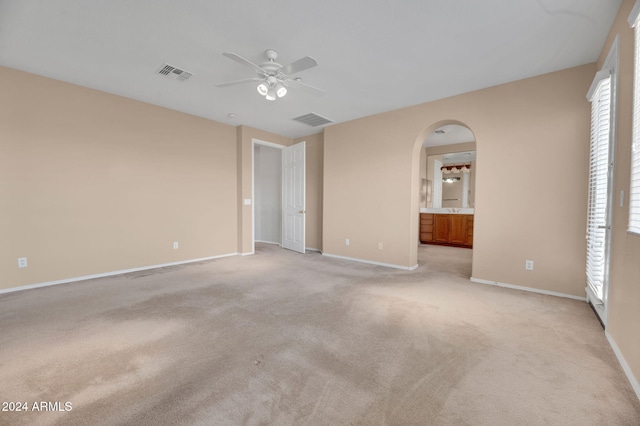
column 263, row 88
column 271, row 94
column 281, row 90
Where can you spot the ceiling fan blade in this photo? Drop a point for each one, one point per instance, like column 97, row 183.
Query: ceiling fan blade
column 299, row 65
column 304, row 86
column 239, row 59
column 234, row 82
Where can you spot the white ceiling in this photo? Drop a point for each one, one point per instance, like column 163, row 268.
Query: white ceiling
column 449, row 135
column 459, row 157
column 373, row 55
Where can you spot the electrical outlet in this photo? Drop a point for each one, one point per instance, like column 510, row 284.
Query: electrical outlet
column 528, row 265
column 379, row 246
column 175, row 245
column 346, row 242
column 22, row 262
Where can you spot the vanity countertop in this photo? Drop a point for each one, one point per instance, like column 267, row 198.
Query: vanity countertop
column 447, row 210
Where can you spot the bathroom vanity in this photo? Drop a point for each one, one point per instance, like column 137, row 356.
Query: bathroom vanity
column 451, row 227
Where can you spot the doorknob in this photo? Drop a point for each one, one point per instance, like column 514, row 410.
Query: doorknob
column 302, row 212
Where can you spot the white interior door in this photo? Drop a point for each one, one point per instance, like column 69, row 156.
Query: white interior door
column 293, row 197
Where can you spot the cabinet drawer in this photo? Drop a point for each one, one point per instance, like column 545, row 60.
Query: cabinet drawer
column 426, row 237
column 426, row 218
column 426, row 228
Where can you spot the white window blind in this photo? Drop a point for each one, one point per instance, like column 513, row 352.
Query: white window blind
column 634, row 190
column 600, row 97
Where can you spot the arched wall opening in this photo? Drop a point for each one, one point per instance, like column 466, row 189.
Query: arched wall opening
column 418, row 174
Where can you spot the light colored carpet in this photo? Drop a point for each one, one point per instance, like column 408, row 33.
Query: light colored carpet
column 281, row 338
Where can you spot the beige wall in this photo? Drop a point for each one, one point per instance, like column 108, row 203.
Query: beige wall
column 522, row 128
column 92, row 183
column 367, row 190
column 624, row 285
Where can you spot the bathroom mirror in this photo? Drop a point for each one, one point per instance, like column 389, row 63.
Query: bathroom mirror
column 451, row 180
column 448, row 170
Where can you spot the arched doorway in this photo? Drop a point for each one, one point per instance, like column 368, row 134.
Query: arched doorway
column 445, row 155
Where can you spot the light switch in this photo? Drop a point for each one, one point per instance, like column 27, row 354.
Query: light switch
column 247, row 201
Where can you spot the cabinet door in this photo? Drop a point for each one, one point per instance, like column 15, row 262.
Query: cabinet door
column 441, row 228
column 470, row 231
column 458, row 229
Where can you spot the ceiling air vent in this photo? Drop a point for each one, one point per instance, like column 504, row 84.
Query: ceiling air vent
column 174, row 73
column 313, row 119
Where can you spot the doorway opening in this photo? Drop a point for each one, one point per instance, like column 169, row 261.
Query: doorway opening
column 278, row 188
column 447, row 186
column 267, row 193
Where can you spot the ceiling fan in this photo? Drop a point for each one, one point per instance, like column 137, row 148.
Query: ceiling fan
column 275, row 78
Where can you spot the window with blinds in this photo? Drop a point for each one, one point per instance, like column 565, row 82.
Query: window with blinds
column 634, row 189
column 600, row 97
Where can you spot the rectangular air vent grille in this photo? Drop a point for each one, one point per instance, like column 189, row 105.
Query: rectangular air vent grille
column 174, row 73
column 313, row 119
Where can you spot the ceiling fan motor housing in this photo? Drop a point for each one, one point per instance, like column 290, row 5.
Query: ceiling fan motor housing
column 271, row 66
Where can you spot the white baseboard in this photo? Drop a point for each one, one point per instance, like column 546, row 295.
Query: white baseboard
column 530, row 289
column 371, row 262
column 108, row 274
column 313, row 249
column 249, row 253
column 627, row 370
column 268, row 242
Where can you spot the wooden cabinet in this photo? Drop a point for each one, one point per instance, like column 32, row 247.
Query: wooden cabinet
column 469, row 231
column 447, row 229
column 426, row 228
